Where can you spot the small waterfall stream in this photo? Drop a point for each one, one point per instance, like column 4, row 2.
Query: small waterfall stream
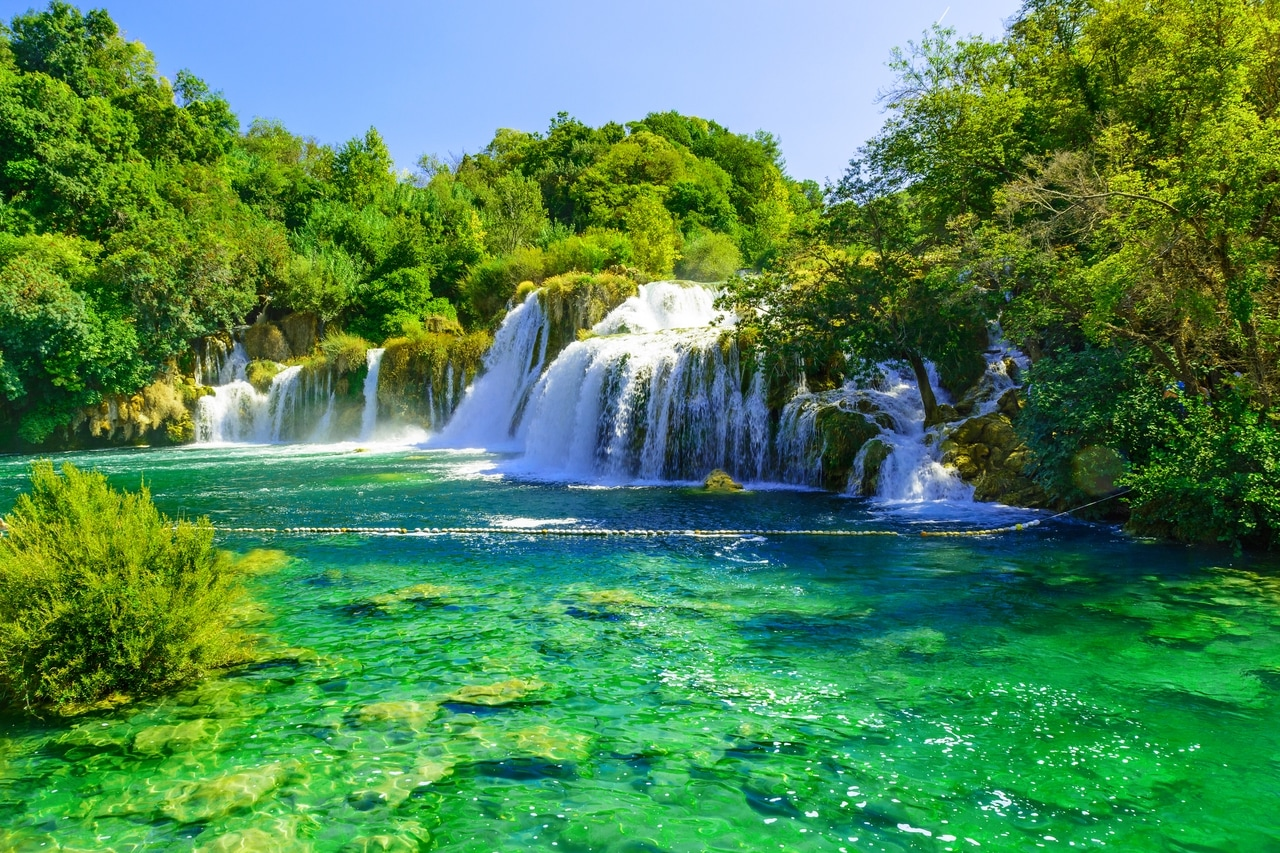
column 369, row 417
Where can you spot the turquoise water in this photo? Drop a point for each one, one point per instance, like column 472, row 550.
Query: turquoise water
column 1062, row 688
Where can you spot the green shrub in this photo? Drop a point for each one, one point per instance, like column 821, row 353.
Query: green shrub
column 1090, row 417
column 596, row 250
column 489, row 285
column 102, row 596
column 344, row 352
column 709, row 257
column 1214, row 477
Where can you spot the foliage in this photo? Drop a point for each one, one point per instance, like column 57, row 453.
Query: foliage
column 709, row 257
column 101, row 594
column 1092, row 416
column 344, row 351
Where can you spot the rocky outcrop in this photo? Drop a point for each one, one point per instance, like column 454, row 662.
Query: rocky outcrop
column 720, row 481
column 986, row 452
column 159, row 414
column 841, row 434
column 424, row 375
column 574, row 302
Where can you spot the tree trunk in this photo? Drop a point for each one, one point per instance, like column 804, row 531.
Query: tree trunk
column 932, row 416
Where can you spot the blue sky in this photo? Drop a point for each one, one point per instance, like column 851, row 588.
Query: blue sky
column 441, row 77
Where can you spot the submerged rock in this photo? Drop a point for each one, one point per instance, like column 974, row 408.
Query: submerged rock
column 720, row 481
column 176, row 738
column 251, row 840
column 408, row 712
column 613, row 598
column 420, row 593
column 492, row 695
column 203, row 801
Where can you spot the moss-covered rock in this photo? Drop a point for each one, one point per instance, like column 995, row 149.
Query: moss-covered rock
column 264, row 340
column 720, row 481
column 842, row 434
column 576, row 301
column 874, row 454
column 423, row 375
column 986, row 452
column 301, row 332
column 260, row 373
column 159, row 414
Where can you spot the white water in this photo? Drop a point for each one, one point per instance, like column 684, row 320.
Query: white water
column 487, row 415
column 237, row 412
column 654, row 396
column 369, row 417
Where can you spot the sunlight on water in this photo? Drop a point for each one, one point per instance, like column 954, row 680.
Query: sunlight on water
column 1064, row 688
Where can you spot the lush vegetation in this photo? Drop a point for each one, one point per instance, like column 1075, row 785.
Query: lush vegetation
column 103, row 596
column 136, row 216
column 1105, row 182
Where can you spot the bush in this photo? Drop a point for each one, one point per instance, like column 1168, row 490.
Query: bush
column 102, row 596
column 709, row 257
column 1215, row 477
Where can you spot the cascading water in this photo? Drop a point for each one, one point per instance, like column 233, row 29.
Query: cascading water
column 369, row 417
column 238, row 412
column 488, row 415
column 912, row 471
column 651, row 395
column 660, row 392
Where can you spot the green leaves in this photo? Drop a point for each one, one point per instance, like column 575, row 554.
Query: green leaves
column 100, row 594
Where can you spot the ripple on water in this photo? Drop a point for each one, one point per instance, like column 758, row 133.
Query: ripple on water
column 507, row 693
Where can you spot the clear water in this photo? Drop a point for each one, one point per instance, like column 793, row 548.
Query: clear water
column 1064, row 688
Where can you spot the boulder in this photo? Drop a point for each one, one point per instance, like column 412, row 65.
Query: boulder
column 720, row 481
column 493, row 695
column 874, row 454
column 987, row 453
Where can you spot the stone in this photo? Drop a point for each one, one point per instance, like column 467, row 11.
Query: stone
column 987, row 453
column 214, row 798
column 417, row 594
column 874, row 454
column 176, row 738
column 720, row 481
column 613, row 598
column 251, row 840
column 499, row 693
column 408, row 712
column 265, row 341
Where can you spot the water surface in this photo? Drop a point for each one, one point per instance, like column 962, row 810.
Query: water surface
column 1065, row 687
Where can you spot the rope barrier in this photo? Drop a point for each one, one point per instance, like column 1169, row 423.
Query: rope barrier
column 597, row 531
column 636, row 532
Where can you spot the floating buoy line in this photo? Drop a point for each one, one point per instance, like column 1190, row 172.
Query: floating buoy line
column 668, row 533
column 599, row 531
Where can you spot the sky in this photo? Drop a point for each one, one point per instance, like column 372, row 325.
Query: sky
column 440, row 78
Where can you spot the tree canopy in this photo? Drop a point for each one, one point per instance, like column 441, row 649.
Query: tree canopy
column 137, row 216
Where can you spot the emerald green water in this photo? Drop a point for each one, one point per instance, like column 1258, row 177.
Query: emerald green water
column 1062, row 688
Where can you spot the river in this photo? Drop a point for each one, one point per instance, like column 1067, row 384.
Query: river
column 1064, row 686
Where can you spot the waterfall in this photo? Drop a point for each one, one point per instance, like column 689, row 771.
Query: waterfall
column 655, row 392
column 487, row 416
column 369, row 417
column 237, row 412
column 912, row 470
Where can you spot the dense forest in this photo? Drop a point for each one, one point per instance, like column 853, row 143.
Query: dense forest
column 1103, row 182
column 137, row 216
